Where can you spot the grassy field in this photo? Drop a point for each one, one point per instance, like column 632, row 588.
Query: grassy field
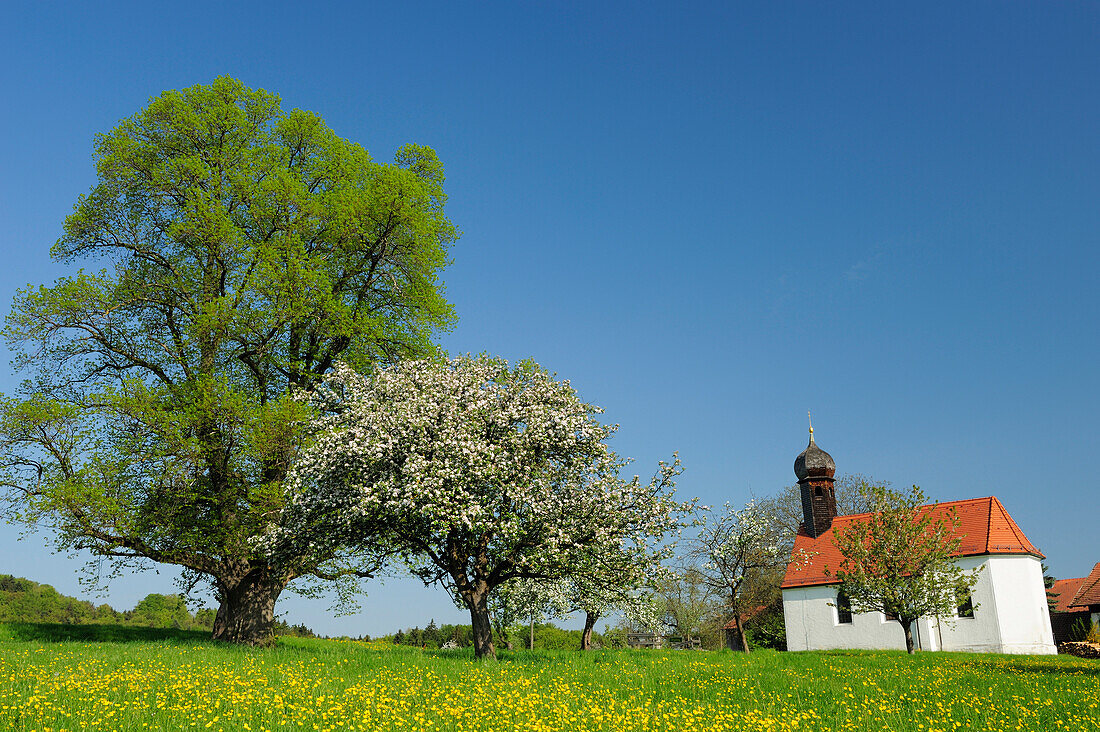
column 99, row 678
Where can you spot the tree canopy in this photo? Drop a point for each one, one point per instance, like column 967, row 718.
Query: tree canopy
column 24, row 601
column 243, row 250
column 742, row 554
column 476, row 473
column 853, row 492
column 900, row 561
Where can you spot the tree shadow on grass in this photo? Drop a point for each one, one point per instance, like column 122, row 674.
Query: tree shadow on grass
column 1088, row 667
column 63, row 632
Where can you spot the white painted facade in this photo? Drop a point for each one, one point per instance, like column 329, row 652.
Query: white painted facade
column 1010, row 615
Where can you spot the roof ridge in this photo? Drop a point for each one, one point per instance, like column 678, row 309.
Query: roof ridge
column 989, row 522
column 1086, row 586
column 934, row 504
column 1012, row 522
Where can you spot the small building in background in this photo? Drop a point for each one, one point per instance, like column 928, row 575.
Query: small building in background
column 1007, row 611
column 729, row 630
column 1076, row 605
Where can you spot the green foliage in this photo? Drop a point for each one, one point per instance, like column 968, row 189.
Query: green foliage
column 712, row 635
column 691, row 607
column 245, row 249
column 900, row 561
column 547, row 637
column 24, row 601
column 767, row 629
column 1048, row 584
column 1083, row 629
column 615, row 636
column 162, row 611
column 99, row 633
column 432, row 636
column 281, row 628
column 742, row 555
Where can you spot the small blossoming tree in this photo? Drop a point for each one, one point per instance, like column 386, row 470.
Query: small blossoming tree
column 475, row 473
column 741, row 556
column 515, row 601
column 623, row 583
column 900, row 561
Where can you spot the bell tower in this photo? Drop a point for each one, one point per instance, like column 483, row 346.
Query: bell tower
column 815, row 470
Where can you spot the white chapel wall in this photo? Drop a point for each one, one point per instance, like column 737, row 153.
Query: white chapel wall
column 1021, row 604
column 981, row 633
column 1010, row 616
column 812, row 623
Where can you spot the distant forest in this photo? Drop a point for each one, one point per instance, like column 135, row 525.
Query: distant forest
column 24, row 601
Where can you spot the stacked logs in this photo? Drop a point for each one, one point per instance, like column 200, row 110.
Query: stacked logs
column 1082, row 649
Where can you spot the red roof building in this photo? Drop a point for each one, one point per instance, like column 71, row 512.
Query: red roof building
column 1006, row 612
column 984, row 524
column 1074, row 600
column 1088, row 594
column 1063, row 592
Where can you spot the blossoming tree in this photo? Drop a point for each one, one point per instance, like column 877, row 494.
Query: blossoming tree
column 474, row 472
column 613, row 583
column 518, row 600
column 742, row 559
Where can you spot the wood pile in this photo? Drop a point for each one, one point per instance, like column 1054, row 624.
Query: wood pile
column 1082, row 649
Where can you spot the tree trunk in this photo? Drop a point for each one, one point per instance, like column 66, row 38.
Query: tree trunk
column 247, row 609
column 907, row 626
column 502, row 633
column 739, row 629
column 590, row 619
column 478, row 604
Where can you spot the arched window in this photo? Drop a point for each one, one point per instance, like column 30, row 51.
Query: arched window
column 843, row 608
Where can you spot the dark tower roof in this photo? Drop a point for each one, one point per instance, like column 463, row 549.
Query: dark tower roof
column 814, row 462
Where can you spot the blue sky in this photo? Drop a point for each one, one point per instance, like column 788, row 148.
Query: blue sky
column 710, row 218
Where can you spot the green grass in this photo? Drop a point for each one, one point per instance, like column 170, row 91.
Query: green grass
column 111, row 678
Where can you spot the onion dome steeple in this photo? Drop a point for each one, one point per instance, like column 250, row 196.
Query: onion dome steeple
column 815, row 470
column 814, row 462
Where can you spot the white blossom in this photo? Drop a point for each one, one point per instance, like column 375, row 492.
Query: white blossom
column 474, row 473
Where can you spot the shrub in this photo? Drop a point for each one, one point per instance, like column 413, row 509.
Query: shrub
column 615, row 637
column 768, row 630
column 1080, row 630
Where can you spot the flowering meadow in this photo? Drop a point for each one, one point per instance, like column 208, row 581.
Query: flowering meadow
column 185, row 683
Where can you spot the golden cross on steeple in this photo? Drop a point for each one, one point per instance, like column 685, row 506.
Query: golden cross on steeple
column 811, row 421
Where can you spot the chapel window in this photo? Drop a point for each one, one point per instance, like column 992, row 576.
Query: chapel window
column 843, row 609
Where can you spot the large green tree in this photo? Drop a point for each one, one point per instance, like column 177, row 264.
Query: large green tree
column 243, row 250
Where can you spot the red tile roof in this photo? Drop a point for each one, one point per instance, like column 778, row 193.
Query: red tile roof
column 745, row 616
column 984, row 524
column 1063, row 592
column 1089, row 593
